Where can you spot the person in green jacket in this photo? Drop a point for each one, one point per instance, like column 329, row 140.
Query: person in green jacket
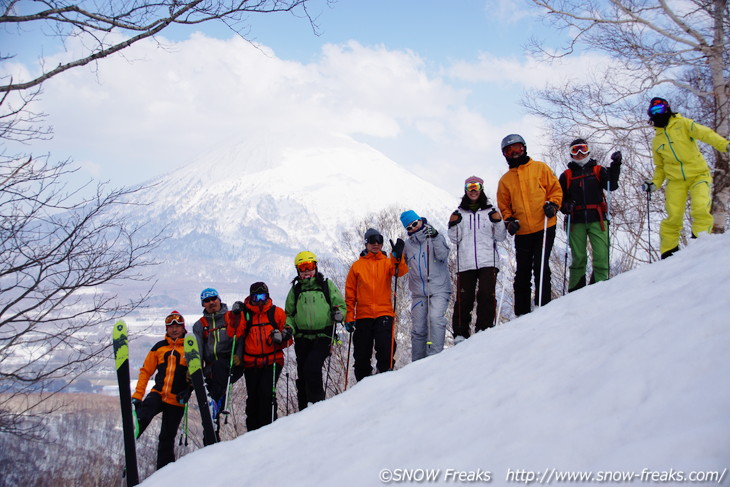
column 313, row 307
column 679, row 161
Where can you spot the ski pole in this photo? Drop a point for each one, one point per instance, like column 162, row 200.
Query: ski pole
column 608, row 229
column 287, row 393
column 329, row 362
column 567, row 245
column 273, row 393
column 229, row 388
column 542, row 262
column 184, row 431
column 347, row 363
column 648, row 220
column 428, row 292
column 501, row 299
column 395, row 313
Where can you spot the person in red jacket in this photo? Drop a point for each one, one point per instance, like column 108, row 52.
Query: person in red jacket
column 261, row 336
column 368, row 297
column 171, row 390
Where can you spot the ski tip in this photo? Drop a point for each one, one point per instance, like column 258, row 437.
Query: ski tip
column 120, row 324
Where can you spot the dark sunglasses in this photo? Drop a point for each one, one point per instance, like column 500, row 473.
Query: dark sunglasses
column 375, row 239
column 210, row 299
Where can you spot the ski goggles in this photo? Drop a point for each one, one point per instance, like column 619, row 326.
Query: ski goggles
column 657, row 107
column 307, row 266
column 375, row 239
column 412, row 225
column 473, row 187
column 174, row 319
column 210, row 299
column 579, row 149
column 259, row 297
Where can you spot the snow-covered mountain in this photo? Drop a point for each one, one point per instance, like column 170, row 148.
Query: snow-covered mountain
column 622, row 382
column 241, row 213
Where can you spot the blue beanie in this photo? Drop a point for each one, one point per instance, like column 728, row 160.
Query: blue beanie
column 408, row 217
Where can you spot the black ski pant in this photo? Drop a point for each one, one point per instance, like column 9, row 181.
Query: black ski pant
column 171, row 417
column 373, row 333
column 217, row 381
column 261, row 401
column 528, row 255
column 311, row 355
column 467, row 282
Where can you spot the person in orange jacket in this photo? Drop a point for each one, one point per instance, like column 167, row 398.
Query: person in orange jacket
column 529, row 195
column 261, row 336
column 171, row 389
column 368, row 297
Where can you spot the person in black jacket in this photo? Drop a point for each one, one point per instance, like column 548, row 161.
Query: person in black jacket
column 586, row 210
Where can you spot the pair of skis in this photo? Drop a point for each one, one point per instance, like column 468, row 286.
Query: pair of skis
column 120, row 341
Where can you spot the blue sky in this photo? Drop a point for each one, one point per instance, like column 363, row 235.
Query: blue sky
column 433, row 85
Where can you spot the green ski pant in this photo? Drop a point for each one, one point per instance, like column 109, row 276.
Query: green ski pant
column 580, row 234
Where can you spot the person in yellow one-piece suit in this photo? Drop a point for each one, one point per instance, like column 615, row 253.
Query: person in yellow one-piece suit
column 679, row 161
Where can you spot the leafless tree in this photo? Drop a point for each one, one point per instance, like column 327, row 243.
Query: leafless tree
column 678, row 47
column 60, row 256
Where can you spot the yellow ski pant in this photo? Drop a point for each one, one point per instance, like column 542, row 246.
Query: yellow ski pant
column 699, row 190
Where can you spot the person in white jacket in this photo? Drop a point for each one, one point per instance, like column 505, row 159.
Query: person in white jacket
column 475, row 227
column 427, row 255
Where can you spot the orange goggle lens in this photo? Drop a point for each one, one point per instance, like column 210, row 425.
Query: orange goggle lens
column 307, row 266
column 473, row 187
column 578, row 149
column 174, row 319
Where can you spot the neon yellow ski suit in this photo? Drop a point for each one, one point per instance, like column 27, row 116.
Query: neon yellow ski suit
column 679, row 161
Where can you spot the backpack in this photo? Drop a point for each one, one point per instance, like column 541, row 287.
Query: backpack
column 324, row 287
column 601, row 207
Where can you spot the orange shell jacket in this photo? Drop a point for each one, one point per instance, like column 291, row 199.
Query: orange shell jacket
column 368, row 286
column 167, row 357
column 258, row 349
column 523, row 191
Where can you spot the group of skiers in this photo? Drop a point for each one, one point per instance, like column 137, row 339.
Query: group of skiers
column 248, row 340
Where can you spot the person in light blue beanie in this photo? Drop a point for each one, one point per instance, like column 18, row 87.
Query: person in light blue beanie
column 427, row 255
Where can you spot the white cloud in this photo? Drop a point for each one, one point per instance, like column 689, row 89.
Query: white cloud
column 165, row 103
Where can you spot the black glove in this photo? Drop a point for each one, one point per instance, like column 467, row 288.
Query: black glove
column 616, row 158
column 183, row 396
column 237, row 307
column 397, row 248
column 568, row 207
column 286, row 335
column 350, row 326
column 455, row 218
column 430, row 232
column 136, row 403
column 550, row 209
column 337, row 315
column 512, row 224
column 648, row 186
column 494, row 216
column 276, row 336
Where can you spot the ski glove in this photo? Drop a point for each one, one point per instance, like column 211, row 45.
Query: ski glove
column 136, row 403
column 455, row 219
column 568, row 207
column 183, row 396
column 430, row 232
column 550, row 209
column 350, row 326
column 236, row 360
column 616, row 158
column 494, row 216
column 397, row 248
column 276, row 336
column 237, row 307
column 648, row 186
column 512, row 224
column 337, row 316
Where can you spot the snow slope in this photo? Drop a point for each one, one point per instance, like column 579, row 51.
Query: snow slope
column 625, row 377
